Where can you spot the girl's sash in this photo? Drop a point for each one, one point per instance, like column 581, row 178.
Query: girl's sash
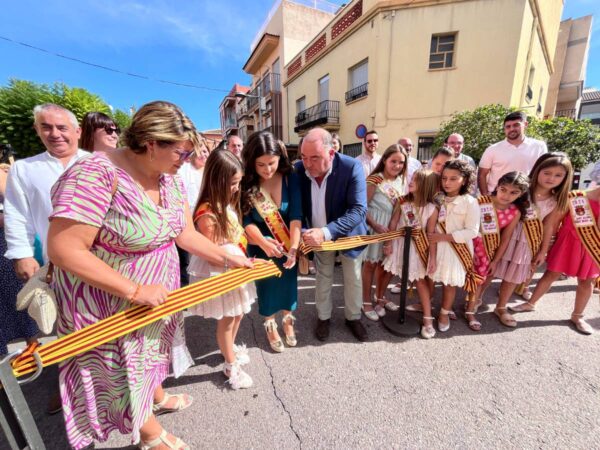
column 490, row 226
column 585, row 224
column 268, row 210
column 238, row 236
column 533, row 228
column 472, row 278
column 418, row 235
column 384, row 186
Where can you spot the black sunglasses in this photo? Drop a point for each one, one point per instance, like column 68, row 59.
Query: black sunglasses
column 110, row 130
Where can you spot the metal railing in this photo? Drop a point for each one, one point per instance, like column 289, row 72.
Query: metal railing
column 325, row 112
column 352, row 149
column 570, row 113
column 357, row 92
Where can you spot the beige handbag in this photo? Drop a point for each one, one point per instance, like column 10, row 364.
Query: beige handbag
column 38, row 298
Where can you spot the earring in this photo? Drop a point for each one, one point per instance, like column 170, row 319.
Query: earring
column 151, row 156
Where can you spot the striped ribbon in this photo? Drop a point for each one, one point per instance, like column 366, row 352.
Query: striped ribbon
column 139, row 316
column 490, row 226
column 347, row 243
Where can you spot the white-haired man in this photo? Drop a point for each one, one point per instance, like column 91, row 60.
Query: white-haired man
column 27, row 202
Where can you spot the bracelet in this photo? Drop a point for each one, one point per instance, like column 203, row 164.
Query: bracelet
column 226, row 264
column 136, row 291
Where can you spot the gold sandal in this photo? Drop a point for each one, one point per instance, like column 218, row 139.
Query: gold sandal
column 162, row 440
column 161, row 408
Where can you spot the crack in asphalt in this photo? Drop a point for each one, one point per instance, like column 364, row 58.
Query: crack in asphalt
column 270, row 369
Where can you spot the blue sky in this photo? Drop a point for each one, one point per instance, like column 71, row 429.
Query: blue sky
column 199, row 42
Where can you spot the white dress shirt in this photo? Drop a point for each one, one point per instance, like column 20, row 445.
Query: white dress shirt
column 27, row 203
column 368, row 163
column 413, row 165
column 317, row 200
column 192, row 180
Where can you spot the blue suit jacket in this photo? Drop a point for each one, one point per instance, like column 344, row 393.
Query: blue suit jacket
column 345, row 199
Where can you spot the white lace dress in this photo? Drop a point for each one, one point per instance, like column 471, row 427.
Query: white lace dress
column 230, row 304
column 393, row 262
column 462, row 221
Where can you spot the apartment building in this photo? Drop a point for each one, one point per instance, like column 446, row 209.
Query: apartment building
column 404, row 66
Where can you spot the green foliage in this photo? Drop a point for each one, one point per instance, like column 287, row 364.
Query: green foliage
column 579, row 139
column 18, row 99
column 480, row 128
column 484, row 125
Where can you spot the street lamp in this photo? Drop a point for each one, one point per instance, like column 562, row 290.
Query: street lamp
column 259, row 97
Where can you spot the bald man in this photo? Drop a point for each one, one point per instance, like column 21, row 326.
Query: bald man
column 413, row 163
column 334, row 203
column 235, row 145
column 456, row 142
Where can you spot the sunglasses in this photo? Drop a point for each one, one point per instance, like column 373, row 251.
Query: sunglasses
column 110, row 130
column 370, row 141
column 184, row 155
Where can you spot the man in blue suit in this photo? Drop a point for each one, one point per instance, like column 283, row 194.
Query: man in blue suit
column 334, row 201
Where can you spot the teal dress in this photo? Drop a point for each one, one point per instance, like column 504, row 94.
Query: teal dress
column 278, row 293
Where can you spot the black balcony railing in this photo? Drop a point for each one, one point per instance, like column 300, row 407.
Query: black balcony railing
column 352, row 149
column 252, row 99
column 325, row 112
column 357, row 92
column 570, row 113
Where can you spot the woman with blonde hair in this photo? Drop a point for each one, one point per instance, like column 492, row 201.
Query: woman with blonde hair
column 116, row 218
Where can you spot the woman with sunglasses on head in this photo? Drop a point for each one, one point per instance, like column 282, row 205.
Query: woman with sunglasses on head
column 99, row 133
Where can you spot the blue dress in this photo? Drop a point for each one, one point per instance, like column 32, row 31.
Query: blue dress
column 278, row 293
column 13, row 324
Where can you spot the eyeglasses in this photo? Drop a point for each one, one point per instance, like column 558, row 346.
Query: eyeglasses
column 371, row 141
column 110, row 130
column 184, row 155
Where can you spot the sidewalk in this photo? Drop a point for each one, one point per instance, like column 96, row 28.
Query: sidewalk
column 536, row 386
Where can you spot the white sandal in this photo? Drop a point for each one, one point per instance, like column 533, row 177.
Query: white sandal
column 371, row 315
column 443, row 328
column 581, row 325
column 238, row 379
column 271, row 327
column 241, row 354
column 291, row 339
column 162, row 440
column 427, row 331
column 161, row 408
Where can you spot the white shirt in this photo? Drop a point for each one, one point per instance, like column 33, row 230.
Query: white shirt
column 368, row 163
column 317, row 200
column 192, row 180
column 27, row 203
column 413, row 165
column 503, row 157
column 467, row 159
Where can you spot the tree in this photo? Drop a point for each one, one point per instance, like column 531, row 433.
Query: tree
column 480, row 128
column 18, row 99
column 579, row 139
column 483, row 126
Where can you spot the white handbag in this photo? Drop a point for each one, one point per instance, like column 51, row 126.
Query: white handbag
column 39, row 299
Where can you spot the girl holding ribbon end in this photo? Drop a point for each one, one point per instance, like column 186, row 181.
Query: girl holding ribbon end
column 500, row 216
column 385, row 185
column 216, row 217
column 272, row 208
column 417, row 210
column 458, row 225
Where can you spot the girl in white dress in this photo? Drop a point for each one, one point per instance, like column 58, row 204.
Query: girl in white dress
column 458, row 222
column 418, row 211
column 217, row 217
column 385, row 185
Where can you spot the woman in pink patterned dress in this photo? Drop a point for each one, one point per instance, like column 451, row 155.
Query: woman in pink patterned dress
column 112, row 238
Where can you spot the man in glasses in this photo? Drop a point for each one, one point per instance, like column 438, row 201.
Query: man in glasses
column 369, row 157
column 27, row 204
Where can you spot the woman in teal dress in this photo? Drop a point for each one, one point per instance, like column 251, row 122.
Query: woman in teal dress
column 272, row 210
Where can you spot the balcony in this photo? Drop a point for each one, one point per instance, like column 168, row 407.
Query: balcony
column 325, row 113
column 570, row 113
column 230, row 122
column 277, row 131
column 358, row 92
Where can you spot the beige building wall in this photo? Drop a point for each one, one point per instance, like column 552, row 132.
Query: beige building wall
column 497, row 42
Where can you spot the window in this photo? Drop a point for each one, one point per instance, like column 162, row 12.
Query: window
column 276, row 68
column 358, row 77
column 324, row 88
column 529, row 92
column 441, row 55
column 301, row 104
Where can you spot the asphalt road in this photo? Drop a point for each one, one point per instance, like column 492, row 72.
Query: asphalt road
column 536, row 386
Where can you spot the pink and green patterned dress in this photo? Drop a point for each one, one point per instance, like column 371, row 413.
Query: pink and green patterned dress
column 111, row 387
